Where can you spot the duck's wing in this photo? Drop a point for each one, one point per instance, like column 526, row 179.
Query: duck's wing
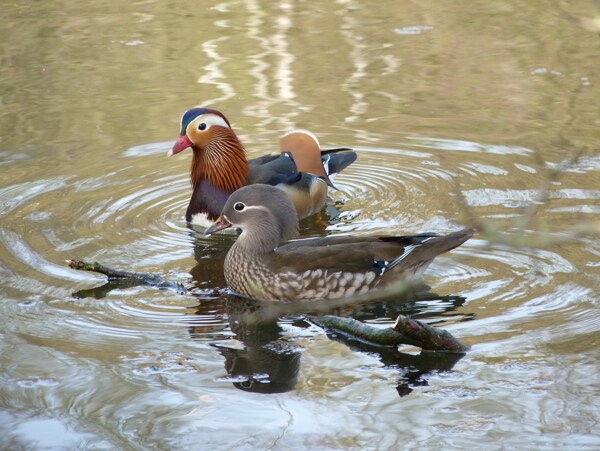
column 346, row 258
column 360, row 254
column 273, row 169
column 304, row 147
column 307, row 191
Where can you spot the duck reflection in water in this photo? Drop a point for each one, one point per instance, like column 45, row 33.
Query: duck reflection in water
column 268, row 363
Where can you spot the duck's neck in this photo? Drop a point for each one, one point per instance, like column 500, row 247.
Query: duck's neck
column 258, row 242
column 222, row 162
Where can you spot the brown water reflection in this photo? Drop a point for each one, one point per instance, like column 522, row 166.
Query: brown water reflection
column 489, row 98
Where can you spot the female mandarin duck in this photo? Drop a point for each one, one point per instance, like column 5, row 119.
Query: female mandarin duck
column 219, row 166
column 317, row 268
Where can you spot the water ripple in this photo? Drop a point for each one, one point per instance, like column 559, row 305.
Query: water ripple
column 133, row 218
column 20, row 250
column 14, row 196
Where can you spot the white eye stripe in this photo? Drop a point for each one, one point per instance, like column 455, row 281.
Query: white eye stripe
column 265, row 210
column 211, row 119
column 208, row 119
column 256, row 207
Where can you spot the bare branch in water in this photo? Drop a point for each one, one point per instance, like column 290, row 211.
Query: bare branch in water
column 116, row 274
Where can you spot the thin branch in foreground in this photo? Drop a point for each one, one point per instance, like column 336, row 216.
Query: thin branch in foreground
column 523, row 232
column 405, row 331
column 530, row 212
column 269, row 310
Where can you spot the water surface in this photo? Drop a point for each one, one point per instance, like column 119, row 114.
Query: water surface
column 488, row 111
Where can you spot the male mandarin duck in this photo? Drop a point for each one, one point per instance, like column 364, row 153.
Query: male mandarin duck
column 316, row 268
column 219, row 166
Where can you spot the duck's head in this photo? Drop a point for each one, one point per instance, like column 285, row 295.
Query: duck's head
column 218, row 153
column 264, row 214
column 200, row 126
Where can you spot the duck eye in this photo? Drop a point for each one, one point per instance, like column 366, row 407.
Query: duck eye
column 239, row 206
column 202, row 126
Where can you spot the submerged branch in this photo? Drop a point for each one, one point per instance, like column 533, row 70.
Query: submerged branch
column 405, row 331
column 116, row 274
column 428, row 337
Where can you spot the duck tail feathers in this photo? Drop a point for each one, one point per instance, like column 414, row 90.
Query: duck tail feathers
column 421, row 249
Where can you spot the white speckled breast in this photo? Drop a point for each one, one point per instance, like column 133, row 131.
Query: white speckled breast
column 250, row 277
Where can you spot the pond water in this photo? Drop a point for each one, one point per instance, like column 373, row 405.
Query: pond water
column 486, row 112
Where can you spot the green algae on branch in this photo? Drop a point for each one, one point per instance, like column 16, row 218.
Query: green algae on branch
column 405, row 331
